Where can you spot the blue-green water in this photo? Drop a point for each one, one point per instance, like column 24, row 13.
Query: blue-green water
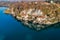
column 11, row 29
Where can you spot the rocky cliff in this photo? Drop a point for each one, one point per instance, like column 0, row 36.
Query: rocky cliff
column 36, row 15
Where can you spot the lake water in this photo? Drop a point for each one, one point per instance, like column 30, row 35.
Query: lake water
column 11, row 29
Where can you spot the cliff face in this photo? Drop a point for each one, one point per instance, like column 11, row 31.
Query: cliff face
column 36, row 15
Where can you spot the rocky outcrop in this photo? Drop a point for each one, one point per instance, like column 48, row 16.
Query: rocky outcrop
column 36, row 15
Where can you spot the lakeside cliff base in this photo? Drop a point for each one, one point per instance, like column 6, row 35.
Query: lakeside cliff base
column 37, row 26
column 35, row 15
